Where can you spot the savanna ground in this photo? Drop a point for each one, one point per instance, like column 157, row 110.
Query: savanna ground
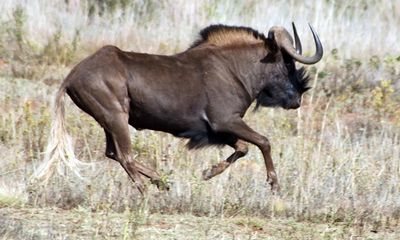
column 337, row 157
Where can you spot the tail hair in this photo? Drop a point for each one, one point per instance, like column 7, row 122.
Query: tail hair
column 59, row 153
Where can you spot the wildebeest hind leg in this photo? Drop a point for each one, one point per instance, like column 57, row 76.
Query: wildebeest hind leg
column 118, row 147
column 240, row 151
column 110, row 147
column 146, row 171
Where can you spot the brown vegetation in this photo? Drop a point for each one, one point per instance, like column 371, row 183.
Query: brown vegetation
column 337, row 156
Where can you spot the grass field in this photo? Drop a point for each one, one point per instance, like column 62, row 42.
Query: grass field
column 337, row 157
column 79, row 223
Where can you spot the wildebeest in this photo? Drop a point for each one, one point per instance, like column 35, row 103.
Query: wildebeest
column 200, row 94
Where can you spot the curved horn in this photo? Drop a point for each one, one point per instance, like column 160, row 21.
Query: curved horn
column 299, row 49
column 284, row 40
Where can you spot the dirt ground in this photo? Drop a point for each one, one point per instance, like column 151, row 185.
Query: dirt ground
column 28, row 223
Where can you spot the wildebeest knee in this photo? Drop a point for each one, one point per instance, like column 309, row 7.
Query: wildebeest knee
column 265, row 145
column 242, row 147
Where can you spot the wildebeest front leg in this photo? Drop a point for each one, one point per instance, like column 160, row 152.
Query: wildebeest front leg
column 240, row 129
column 240, row 151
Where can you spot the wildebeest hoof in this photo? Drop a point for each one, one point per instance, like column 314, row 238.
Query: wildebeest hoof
column 161, row 184
column 214, row 170
column 211, row 172
column 207, row 174
column 275, row 188
column 273, row 181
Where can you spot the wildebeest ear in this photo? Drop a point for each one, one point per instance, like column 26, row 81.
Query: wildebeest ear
column 272, row 48
column 271, row 44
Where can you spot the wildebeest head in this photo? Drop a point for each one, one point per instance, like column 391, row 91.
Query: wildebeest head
column 286, row 84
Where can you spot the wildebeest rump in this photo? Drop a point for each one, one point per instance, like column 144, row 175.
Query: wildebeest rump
column 200, row 94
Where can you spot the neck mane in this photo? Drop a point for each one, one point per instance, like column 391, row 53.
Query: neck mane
column 222, row 36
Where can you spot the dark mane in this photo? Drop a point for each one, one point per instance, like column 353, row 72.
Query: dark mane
column 222, row 35
column 302, row 80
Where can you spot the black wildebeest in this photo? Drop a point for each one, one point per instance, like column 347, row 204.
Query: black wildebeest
column 200, row 94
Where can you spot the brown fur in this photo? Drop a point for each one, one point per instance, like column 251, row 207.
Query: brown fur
column 222, row 36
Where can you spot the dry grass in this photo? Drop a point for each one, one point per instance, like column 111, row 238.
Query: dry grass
column 356, row 28
column 50, row 223
column 337, row 158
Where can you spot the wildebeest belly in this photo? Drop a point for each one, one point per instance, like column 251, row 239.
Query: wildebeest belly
column 166, row 105
column 193, row 127
column 167, row 121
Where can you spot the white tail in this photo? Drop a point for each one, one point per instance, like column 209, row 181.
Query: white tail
column 60, row 151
